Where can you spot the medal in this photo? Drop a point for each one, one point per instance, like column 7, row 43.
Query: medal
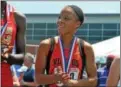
column 65, row 66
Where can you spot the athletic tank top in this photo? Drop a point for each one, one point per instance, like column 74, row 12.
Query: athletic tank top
column 8, row 36
column 74, row 66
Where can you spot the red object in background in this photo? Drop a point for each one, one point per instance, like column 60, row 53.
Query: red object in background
column 111, row 56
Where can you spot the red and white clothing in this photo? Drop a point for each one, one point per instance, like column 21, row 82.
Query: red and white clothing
column 8, row 37
column 75, row 64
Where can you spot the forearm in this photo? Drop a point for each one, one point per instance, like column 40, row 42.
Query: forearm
column 84, row 82
column 30, row 84
column 15, row 59
column 46, row 79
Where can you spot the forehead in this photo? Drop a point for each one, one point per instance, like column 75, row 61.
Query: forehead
column 27, row 58
column 67, row 10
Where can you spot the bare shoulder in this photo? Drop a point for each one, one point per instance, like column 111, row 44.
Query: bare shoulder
column 87, row 46
column 20, row 18
column 88, row 49
column 19, row 15
column 45, row 42
column 44, row 46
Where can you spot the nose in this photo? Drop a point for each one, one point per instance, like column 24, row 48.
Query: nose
column 60, row 21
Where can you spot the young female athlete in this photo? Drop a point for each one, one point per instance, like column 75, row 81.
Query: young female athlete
column 65, row 64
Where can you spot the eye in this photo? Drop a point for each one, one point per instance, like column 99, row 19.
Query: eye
column 59, row 17
column 66, row 18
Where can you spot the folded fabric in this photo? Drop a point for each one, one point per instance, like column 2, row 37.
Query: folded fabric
column 22, row 69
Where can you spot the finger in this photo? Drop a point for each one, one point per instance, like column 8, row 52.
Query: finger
column 65, row 76
column 59, row 69
column 4, row 55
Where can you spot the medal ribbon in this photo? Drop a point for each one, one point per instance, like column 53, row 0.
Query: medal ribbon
column 70, row 54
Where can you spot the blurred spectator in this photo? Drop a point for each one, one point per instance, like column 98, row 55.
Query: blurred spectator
column 27, row 72
column 104, row 71
column 100, row 61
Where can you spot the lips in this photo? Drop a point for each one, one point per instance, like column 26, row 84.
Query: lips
column 60, row 29
column 60, row 26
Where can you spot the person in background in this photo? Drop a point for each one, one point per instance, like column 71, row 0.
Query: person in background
column 13, row 26
column 27, row 72
column 113, row 79
column 104, row 71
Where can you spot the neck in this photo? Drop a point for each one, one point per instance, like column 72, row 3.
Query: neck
column 29, row 66
column 67, row 40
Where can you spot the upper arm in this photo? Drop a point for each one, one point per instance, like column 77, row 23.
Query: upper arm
column 114, row 73
column 42, row 52
column 20, row 34
column 90, row 60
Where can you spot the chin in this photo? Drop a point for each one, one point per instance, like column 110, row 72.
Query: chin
column 60, row 32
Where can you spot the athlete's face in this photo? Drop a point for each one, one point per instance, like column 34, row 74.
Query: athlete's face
column 67, row 21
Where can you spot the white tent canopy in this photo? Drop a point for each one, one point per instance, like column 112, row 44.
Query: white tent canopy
column 110, row 46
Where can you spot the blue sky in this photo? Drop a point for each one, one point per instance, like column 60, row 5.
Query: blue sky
column 54, row 7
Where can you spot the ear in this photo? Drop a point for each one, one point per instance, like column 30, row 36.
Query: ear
column 78, row 24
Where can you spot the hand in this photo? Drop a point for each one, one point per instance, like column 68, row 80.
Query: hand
column 22, row 83
column 4, row 57
column 21, row 76
column 62, row 76
column 5, row 51
column 5, row 48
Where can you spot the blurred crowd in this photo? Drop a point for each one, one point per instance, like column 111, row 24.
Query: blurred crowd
column 23, row 76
